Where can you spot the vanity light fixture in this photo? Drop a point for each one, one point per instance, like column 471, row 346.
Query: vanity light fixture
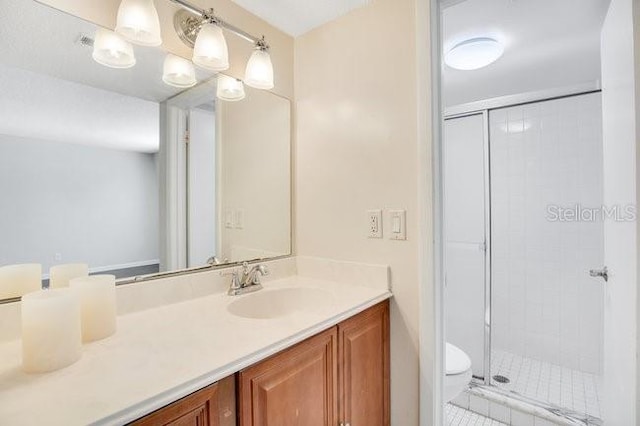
column 259, row 72
column 474, row 53
column 178, row 72
column 195, row 27
column 229, row 88
column 111, row 50
column 138, row 22
column 210, row 49
column 200, row 29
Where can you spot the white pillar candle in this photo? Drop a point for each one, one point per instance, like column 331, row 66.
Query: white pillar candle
column 97, row 295
column 60, row 275
column 51, row 335
column 16, row 280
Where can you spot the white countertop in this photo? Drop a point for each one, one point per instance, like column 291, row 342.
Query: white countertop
column 162, row 354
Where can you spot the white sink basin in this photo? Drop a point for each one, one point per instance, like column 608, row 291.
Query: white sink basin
column 276, row 303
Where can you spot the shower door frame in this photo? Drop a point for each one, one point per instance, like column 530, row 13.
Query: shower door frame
column 486, row 247
column 484, row 108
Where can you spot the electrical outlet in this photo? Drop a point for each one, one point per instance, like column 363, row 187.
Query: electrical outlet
column 374, row 223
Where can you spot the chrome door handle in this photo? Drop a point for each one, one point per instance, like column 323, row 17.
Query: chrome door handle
column 602, row 273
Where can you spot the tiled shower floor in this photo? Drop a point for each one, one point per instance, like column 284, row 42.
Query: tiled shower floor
column 547, row 382
column 457, row 416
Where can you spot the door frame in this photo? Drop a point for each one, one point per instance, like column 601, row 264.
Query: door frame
column 430, row 115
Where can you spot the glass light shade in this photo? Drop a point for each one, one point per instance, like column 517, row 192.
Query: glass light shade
column 111, row 50
column 138, row 22
column 259, row 72
column 474, row 54
column 230, row 89
column 178, row 72
column 210, row 50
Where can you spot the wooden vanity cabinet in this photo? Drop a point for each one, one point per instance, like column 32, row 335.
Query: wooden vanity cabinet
column 363, row 378
column 338, row 377
column 295, row 387
column 214, row 405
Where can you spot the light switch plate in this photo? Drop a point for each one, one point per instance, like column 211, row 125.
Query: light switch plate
column 228, row 218
column 398, row 224
column 374, row 223
column 239, row 219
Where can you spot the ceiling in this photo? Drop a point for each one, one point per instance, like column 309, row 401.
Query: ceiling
column 62, row 87
column 548, row 44
column 296, row 17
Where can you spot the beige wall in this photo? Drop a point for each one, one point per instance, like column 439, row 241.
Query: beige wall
column 357, row 149
column 255, row 175
column 358, row 146
column 103, row 12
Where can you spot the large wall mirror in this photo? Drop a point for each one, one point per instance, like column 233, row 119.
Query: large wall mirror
column 115, row 169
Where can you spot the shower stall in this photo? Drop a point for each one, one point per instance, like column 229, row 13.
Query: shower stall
column 523, row 201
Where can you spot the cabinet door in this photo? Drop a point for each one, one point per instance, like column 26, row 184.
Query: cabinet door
column 296, row 387
column 364, row 368
column 211, row 406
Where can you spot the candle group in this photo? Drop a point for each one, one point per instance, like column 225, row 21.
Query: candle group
column 97, row 296
column 60, row 275
column 16, row 280
column 76, row 308
column 51, row 332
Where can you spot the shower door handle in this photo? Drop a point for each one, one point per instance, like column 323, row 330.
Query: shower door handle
column 602, row 273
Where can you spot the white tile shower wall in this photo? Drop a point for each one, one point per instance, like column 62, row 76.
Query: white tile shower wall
column 545, row 305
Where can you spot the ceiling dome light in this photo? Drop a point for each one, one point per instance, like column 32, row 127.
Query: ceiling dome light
column 178, row 72
column 474, row 54
column 259, row 71
column 210, row 50
column 111, row 50
column 138, row 22
column 230, row 89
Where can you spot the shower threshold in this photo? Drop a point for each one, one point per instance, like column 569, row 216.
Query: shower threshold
column 522, row 403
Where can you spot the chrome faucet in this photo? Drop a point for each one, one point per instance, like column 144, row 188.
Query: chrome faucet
column 248, row 282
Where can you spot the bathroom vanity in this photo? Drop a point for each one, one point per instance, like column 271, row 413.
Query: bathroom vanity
column 339, row 374
column 313, row 343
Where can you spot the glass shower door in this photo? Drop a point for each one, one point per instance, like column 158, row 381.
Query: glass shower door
column 546, row 233
column 465, row 237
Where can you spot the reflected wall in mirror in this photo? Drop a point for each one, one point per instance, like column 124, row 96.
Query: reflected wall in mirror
column 118, row 170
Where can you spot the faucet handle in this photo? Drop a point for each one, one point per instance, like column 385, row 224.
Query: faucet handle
column 235, row 278
column 263, row 269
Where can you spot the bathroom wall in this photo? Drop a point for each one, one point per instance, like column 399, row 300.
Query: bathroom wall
column 545, row 305
column 202, row 187
column 103, row 12
column 255, row 176
column 620, row 43
column 87, row 204
column 358, row 148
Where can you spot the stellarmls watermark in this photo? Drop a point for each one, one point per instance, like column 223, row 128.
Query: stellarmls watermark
column 580, row 213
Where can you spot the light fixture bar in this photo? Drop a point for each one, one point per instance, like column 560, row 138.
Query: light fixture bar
column 227, row 26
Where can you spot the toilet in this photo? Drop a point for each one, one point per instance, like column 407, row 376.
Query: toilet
column 458, row 372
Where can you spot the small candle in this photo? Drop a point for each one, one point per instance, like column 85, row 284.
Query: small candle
column 16, row 280
column 51, row 335
column 60, row 275
column 97, row 295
